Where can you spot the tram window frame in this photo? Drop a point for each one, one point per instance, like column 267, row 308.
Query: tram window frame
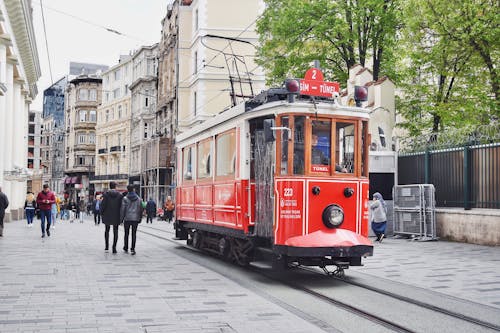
column 284, row 145
column 187, row 164
column 299, row 160
column 229, row 158
column 204, row 159
column 356, row 152
column 312, row 151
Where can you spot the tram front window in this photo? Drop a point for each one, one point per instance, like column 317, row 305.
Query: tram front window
column 320, row 146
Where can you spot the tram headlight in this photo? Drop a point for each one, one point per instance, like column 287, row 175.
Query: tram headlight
column 333, row 216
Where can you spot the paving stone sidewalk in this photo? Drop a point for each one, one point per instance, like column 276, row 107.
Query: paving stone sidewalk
column 461, row 270
column 67, row 283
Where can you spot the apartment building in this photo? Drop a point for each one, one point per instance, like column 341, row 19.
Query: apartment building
column 113, row 127
column 82, row 97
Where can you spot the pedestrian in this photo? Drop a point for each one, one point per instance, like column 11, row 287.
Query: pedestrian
column 96, row 209
column 150, row 210
column 110, row 211
column 44, row 201
column 81, row 208
column 4, row 203
column 72, row 210
column 169, row 209
column 53, row 213
column 29, row 208
column 378, row 219
column 131, row 215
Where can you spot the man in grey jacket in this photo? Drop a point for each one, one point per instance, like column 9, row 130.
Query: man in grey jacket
column 130, row 215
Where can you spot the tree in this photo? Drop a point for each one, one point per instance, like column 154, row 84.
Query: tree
column 449, row 78
column 337, row 33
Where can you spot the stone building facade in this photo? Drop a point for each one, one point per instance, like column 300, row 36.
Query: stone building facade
column 113, row 127
column 82, row 97
column 19, row 72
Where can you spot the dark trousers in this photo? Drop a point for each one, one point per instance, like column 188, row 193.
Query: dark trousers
column 149, row 218
column 45, row 214
column 126, row 227
column 115, row 236
column 97, row 218
column 2, row 215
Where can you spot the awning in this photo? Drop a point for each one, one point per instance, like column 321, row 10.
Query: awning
column 67, row 180
column 75, row 180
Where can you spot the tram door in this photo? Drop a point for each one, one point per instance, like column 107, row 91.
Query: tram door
column 262, row 172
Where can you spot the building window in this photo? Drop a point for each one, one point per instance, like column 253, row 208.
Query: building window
column 92, row 138
column 146, row 95
column 119, row 111
column 82, row 116
column 195, row 62
column 83, row 95
column 196, row 18
column 81, row 138
column 117, row 75
column 194, row 103
column 116, row 93
column 107, row 115
column 80, row 160
column 92, row 116
column 145, row 130
column 93, row 95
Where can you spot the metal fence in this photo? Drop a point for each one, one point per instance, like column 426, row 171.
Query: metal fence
column 467, row 176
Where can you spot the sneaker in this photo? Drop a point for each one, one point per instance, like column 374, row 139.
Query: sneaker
column 48, row 232
column 125, row 249
column 381, row 238
column 132, row 252
column 106, row 250
column 53, row 227
column 114, row 251
column 43, row 235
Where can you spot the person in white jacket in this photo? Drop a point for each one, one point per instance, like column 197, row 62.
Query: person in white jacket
column 378, row 211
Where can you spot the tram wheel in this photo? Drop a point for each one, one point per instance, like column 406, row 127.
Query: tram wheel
column 197, row 239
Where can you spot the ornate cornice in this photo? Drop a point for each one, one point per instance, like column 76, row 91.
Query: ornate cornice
column 21, row 20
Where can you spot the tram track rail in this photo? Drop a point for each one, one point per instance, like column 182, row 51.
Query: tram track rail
column 389, row 324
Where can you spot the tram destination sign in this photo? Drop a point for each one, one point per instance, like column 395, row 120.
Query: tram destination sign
column 312, row 84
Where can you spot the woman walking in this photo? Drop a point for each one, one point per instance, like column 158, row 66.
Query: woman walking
column 29, row 208
column 378, row 216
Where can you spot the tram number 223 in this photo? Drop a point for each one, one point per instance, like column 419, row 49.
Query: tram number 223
column 288, row 192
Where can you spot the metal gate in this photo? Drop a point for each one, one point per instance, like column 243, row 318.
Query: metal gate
column 414, row 211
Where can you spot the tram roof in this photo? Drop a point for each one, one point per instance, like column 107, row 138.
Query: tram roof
column 268, row 103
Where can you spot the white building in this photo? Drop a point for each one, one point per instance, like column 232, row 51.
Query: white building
column 113, row 127
column 19, row 72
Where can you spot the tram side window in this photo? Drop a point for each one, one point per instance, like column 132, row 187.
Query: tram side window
column 344, row 146
column 298, row 145
column 226, row 154
column 204, row 160
column 284, row 146
column 187, row 165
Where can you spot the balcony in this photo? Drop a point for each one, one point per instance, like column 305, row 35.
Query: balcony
column 102, row 151
column 82, row 125
column 117, row 176
column 115, row 149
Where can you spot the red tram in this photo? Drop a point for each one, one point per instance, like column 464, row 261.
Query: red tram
column 284, row 174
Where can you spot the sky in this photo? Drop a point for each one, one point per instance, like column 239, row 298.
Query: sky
column 79, row 35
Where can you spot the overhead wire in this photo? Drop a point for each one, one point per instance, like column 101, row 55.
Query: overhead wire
column 46, row 44
column 113, row 31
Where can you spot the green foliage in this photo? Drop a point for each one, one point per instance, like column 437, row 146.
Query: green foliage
column 337, row 33
column 445, row 74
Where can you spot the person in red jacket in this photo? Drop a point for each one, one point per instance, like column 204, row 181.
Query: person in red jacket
column 44, row 201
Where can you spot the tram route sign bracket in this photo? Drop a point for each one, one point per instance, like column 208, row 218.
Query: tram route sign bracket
column 313, row 85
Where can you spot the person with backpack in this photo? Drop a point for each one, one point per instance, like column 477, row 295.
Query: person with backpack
column 130, row 216
column 29, row 208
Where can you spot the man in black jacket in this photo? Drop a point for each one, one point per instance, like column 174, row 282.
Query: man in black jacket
column 130, row 215
column 4, row 203
column 110, row 211
column 150, row 210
